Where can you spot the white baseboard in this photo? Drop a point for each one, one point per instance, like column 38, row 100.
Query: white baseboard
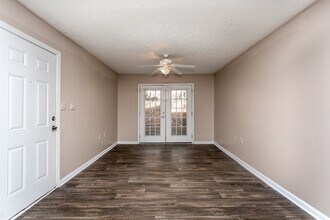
column 299, row 202
column 127, row 142
column 203, row 142
column 85, row 165
column 136, row 142
column 30, row 206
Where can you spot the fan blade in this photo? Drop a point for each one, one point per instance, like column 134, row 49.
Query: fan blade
column 176, row 71
column 184, row 66
column 154, row 72
column 148, row 66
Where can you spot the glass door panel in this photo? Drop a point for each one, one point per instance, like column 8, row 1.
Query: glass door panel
column 152, row 108
column 179, row 112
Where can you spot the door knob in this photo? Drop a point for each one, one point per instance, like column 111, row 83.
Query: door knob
column 54, row 128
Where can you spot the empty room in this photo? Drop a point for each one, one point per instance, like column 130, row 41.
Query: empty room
column 176, row 109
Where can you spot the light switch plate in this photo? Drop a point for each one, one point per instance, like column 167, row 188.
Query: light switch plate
column 72, row 106
column 63, row 106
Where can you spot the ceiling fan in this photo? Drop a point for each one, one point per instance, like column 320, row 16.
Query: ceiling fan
column 166, row 66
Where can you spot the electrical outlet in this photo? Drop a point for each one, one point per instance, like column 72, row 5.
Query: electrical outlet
column 241, row 140
column 99, row 136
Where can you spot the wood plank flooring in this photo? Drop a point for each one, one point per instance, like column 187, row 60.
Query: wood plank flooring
column 165, row 181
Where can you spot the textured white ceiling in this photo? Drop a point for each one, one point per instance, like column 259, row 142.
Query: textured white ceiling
column 127, row 33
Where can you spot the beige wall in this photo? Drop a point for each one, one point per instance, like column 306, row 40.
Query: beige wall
column 85, row 81
column 276, row 97
column 128, row 103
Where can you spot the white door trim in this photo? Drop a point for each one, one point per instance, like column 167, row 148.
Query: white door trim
column 57, row 53
column 140, row 85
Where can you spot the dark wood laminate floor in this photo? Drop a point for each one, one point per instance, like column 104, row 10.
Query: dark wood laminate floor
column 176, row 181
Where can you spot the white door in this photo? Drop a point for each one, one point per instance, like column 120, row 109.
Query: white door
column 165, row 113
column 152, row 114
column 27, row 142
column 178, row 113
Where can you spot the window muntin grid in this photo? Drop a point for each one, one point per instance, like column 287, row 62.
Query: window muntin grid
column 179, row 103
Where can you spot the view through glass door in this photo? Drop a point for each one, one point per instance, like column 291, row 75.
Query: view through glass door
column 165, row 113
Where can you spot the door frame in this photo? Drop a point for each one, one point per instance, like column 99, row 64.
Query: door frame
column 57, row 53
column 169, row 84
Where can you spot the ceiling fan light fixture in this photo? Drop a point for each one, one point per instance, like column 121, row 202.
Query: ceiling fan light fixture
column 166, row 66
column 165, row 70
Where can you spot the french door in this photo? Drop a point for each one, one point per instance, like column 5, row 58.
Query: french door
column 27, row 136
column 165, row 113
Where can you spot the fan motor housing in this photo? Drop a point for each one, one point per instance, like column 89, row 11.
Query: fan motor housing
column 165, row 62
